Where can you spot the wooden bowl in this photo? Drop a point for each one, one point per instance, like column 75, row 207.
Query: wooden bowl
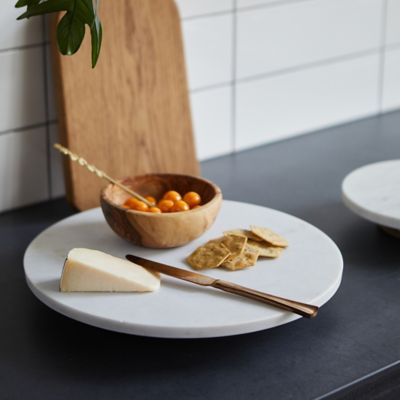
column 161, row 230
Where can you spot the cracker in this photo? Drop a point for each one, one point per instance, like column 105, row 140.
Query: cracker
column 234, row 243
column 246, row 259
column 269, row 236
column 265, row 249
column 210, row 255
column 243, row 232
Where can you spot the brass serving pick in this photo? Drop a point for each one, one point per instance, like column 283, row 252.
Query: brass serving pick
column 101, row 174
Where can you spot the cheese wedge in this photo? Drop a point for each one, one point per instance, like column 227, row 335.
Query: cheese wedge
column 87, row 270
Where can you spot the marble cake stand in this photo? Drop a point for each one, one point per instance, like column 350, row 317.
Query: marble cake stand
column 309, row 270
column 373, row 192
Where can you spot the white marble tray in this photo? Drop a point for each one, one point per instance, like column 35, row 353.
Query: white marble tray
column 310, row 270
column 373, row 192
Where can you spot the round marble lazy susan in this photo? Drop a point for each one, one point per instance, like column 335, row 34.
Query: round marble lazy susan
column 373, row 192
column 309, row 270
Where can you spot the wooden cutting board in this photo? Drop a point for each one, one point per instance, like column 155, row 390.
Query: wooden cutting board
column 130, row 115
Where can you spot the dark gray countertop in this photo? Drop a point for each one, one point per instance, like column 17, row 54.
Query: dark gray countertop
column 44, row 355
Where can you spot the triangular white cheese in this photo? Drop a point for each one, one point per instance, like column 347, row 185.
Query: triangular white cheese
column 87, row 270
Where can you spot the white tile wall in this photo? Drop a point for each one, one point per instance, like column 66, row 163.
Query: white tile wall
column 208, row 49
column 21, row 88
column 18, row 33
column 305, row 100
column 291, row 35
column 57, row 187
column 391, row 86
column 259, row 71
column 23, row 168
column 393, row 22
column 251, row 3
column 191, row 8
column 212, row 121
column 50, row 87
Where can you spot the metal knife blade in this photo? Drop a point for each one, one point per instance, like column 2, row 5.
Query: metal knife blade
column 306, row 310
column 179, row 273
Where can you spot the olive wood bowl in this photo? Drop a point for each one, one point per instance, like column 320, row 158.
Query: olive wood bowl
column 161, row 230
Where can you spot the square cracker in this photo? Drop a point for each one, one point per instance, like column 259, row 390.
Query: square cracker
column 234, row 243
column 243, row 232
column 210, row 255
column 247, row 259
column 269, row 236
column 265, row 249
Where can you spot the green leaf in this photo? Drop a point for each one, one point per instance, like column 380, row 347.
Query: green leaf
column 87, row 6
column 84, row 11
column 71, row 28
column 48, row 6
column 70, row 33
column 96, row 31
column 28, row 3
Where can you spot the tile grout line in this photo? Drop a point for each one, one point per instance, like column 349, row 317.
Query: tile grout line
column 47, row 113
column 207, row 15
column 313, row 131
column 24, row 128
column 237, row 9
column 233, row 81
column 382, row 58
column 352, row 383
column 211, row 87
column 310, row 65
column 274, row 4
column 25, row 47
column 28, row 127
column 297, row 68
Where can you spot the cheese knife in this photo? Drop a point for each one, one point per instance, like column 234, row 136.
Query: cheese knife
column 303, row 309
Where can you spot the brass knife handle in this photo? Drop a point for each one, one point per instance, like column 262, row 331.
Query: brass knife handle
column 303, row 309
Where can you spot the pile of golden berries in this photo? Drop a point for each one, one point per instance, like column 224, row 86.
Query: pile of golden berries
column 172, row 201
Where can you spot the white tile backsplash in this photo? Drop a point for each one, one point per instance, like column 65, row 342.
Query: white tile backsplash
column 298, row 102
column 391, row 82
column 23, row 168
column 18, row 33
column 393, row 22
column 295, row 34
column 57, row 184
column 50, row 86
column 251, row 3
column 208, row 50
column 22, row 101
column 258, row 70
column 212, row 121
column 191, row 8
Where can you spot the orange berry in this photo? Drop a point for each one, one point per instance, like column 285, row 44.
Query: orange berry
column 165, row 205
column 140, row 206
column 131, row 202
column 180, row 205
column 193, row 208
column 172, row 195
column 151, row 199
column 154, row 210
column 192, row 198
